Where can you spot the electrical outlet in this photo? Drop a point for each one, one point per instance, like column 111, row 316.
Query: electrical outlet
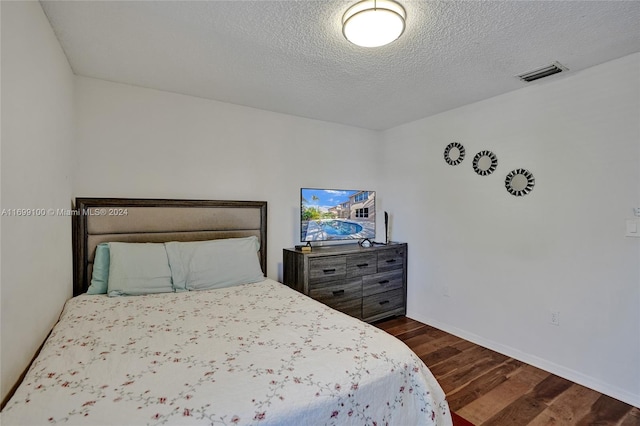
column 633, row 228
column 555, row 318
column 445, row 291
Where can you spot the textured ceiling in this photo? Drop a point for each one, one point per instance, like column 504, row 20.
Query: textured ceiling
column 291, row 57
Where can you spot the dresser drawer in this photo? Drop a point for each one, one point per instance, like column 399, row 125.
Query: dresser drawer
column 352, row 307
column 336, row 290
column 361, row 264
column 382, row 302
column 328, row 268
column 383, row 281
column 391, row 259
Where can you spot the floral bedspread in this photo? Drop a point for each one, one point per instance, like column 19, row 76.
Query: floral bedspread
column 253, row 354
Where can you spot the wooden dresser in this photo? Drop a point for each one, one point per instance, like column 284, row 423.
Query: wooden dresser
column 366, row 283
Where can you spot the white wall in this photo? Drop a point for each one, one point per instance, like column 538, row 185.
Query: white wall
column 135, row 142
column 507, row 262
column 37, row 131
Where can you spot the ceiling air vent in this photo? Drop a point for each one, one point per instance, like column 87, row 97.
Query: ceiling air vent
column 539, row 73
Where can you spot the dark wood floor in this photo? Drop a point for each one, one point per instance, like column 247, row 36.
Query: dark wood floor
column 488, row 388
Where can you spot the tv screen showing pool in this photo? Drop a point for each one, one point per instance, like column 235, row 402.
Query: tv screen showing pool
column 337, row 214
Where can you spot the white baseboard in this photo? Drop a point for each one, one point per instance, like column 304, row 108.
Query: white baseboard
column 558, row 370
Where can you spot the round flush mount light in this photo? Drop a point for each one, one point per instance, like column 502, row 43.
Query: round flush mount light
column 373, row 23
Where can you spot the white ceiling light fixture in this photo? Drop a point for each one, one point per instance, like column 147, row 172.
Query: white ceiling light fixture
column 373, row 23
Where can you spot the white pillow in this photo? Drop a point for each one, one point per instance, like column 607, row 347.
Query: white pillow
column 203, row 265
column 138, row 268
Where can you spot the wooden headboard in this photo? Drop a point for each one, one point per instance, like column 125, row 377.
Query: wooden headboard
column 99, row 220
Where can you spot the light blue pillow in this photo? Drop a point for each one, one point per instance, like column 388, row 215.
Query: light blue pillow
column 138, row 268
column 100, row 276
column 204, row 265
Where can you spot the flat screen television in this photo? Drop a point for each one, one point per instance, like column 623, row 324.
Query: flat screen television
column 337, row 214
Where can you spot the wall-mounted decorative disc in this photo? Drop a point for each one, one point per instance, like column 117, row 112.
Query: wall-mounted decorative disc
column 454, row 153
column 485, row 163
column 519, row 182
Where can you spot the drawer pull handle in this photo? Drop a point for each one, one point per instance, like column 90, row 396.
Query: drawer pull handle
column 383, row 282
column 362, row 265
column 384, row 302
column 338, row 292
column 329, row 271
column 391, row 261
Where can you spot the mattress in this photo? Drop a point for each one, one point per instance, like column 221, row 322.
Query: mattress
column 251, row 354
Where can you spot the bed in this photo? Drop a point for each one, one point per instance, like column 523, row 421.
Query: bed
column 246, row 353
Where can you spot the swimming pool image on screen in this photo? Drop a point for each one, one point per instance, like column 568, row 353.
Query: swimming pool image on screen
column 333, row 214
